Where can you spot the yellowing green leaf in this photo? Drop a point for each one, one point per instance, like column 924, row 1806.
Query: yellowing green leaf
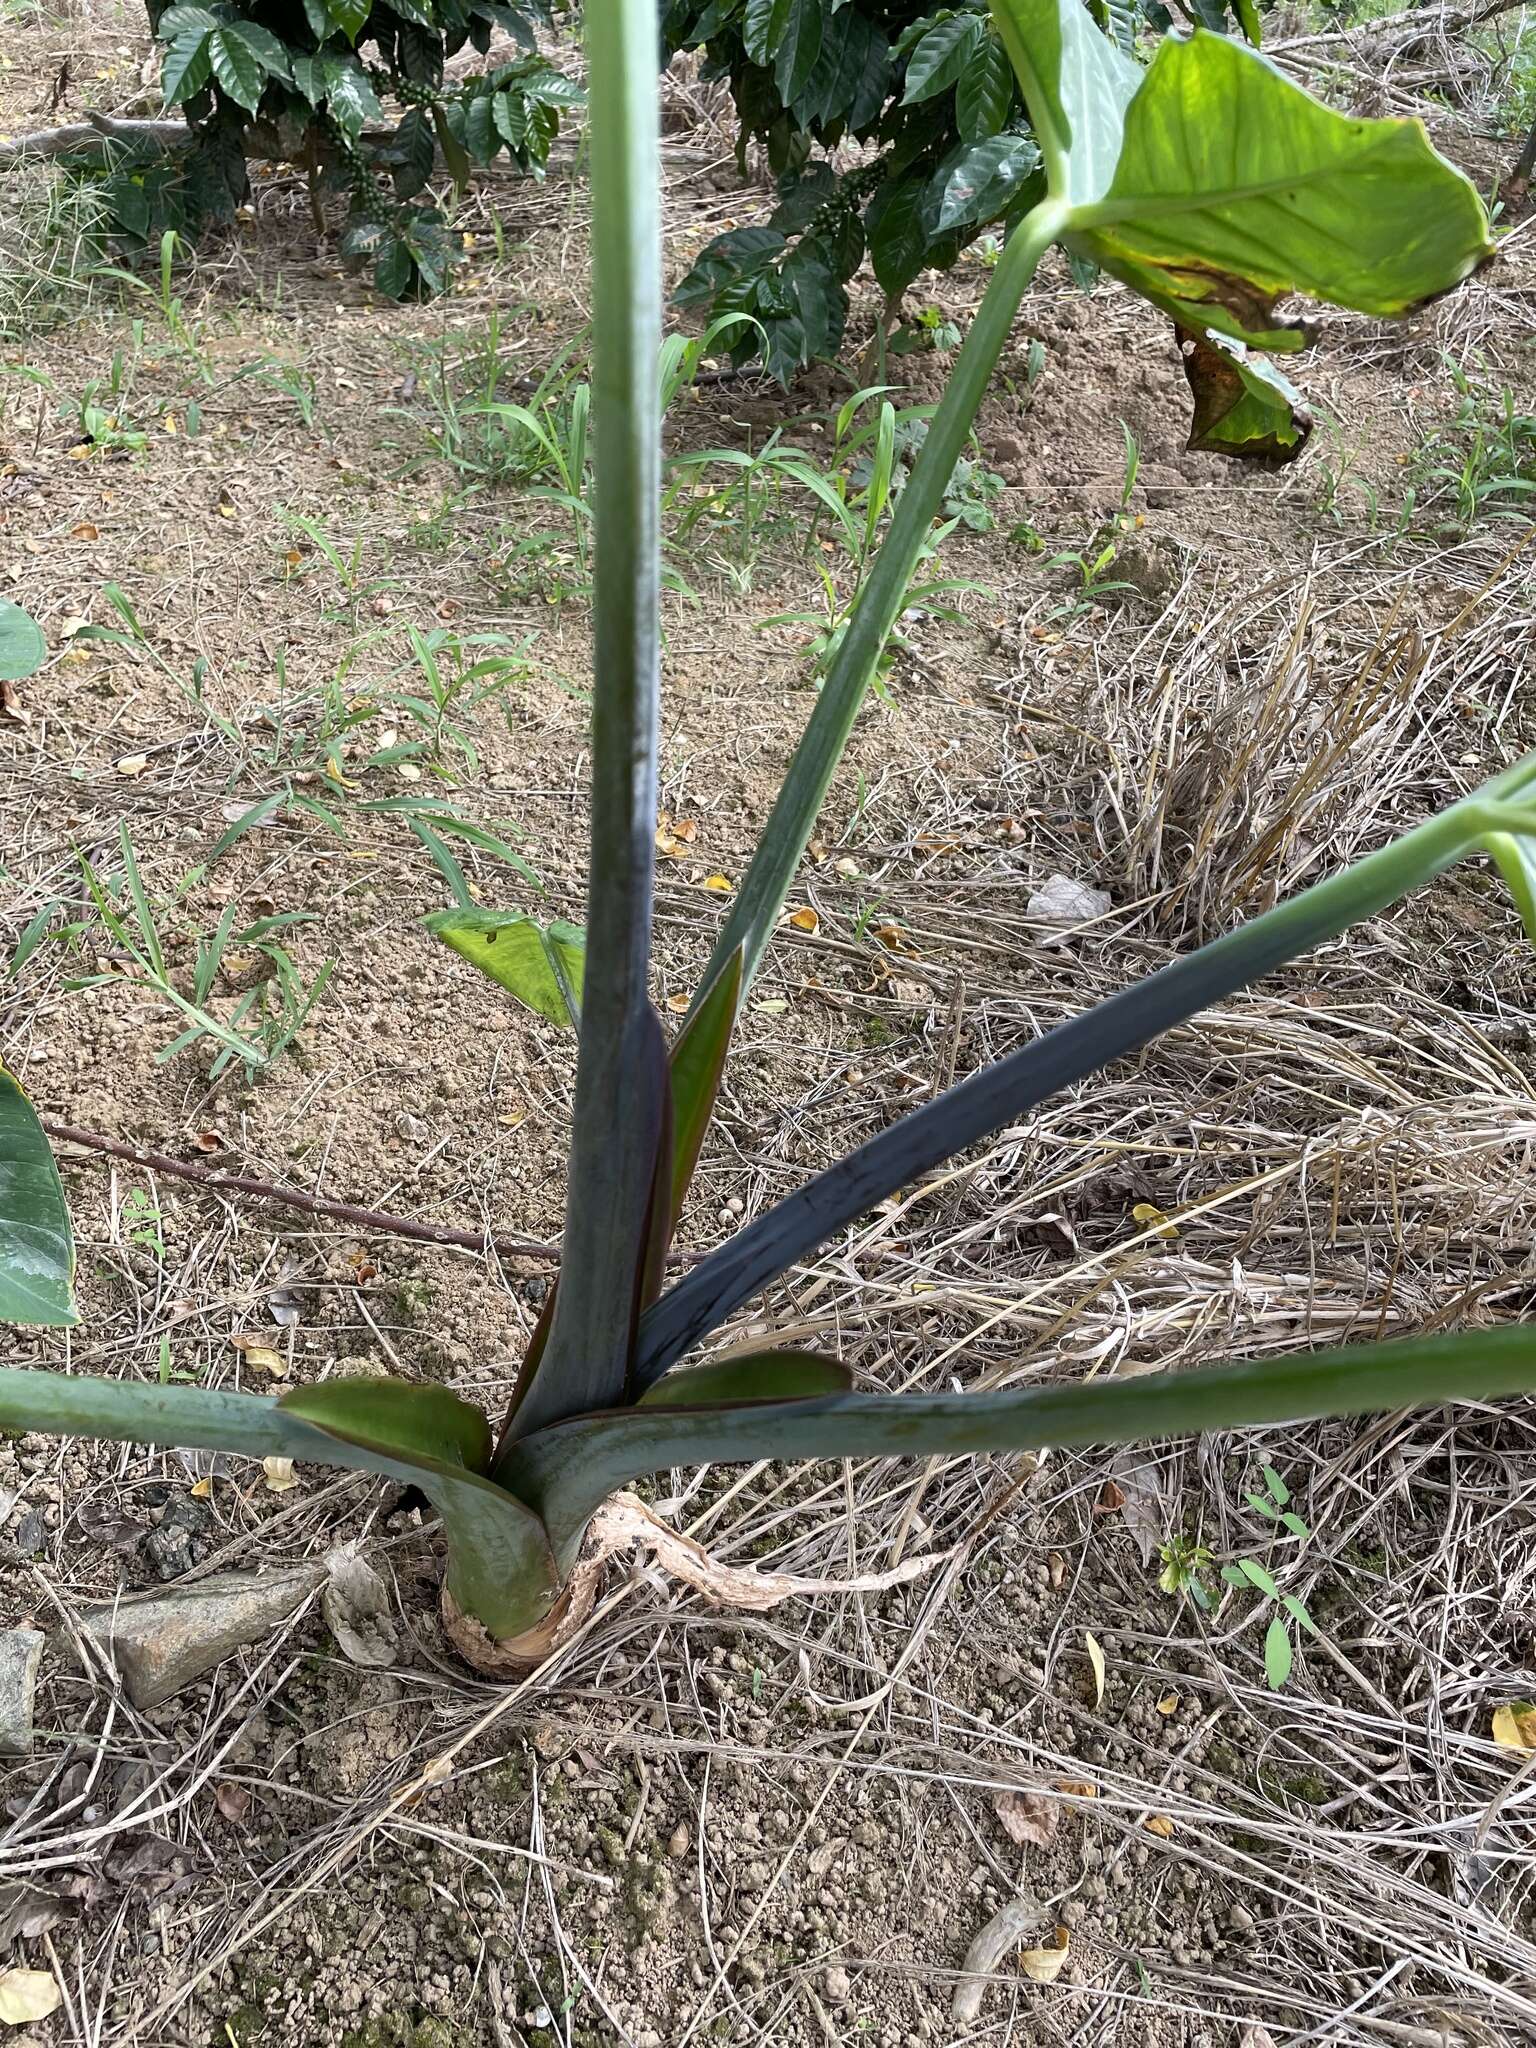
column 1214, row 186
column 1044, row 1965
column 541, row 965
column 1150, row 1217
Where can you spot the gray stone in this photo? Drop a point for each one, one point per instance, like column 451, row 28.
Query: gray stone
column 356, row 1605
column 179, row 1540
column 162, row 1641
column 21, row 1651
column 1063, row 901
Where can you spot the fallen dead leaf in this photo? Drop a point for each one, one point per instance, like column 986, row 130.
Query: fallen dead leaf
column 1111, row 1499
column 1044, row 1965
column 258, row 1352
column 1056, row 1570
column 805, row 920
column 11, row 703
column 83, row 530
column 1158, row 1824
column 233, row 1801
column 28, row 1995
column 721, row 885
column 1095, row 1651
column 1168, row 1704
column 207, row 1141
column 277, row 1475
column 133, row 764
column 1027, row 1819
column 202, row 1489
column 356, row 1607
column 1150, row 1217
column 1514, row 1725
column 1139, row 1480
column 1077, row 1788
column 677, row 1004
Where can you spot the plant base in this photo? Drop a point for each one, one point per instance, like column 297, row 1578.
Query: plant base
column 514, row 1657
column 625, row 1524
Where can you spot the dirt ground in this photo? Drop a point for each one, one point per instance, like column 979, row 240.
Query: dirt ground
column 787, row 1827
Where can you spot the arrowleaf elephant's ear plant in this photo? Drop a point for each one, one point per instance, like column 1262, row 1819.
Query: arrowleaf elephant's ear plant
column 1212, row 185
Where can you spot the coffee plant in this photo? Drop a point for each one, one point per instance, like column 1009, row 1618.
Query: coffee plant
column 950, row 153
column 308, row 84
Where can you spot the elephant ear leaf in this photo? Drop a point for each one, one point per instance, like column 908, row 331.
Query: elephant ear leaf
column 37, row 1246
column 1213, row 187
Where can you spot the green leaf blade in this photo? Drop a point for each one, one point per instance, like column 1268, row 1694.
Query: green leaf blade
column 395, row 1418
column 697, row 1063
column 750, row 1376
column 37, row 1246
column 23, row 650
column 940, row 59
column 541, row 965
column 1278, row 1654
column 237, row 68
column 984, row 92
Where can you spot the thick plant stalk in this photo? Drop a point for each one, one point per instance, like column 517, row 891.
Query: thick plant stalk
column 568, row 1471
column 753, row 913
column 983, row 1104
column 614, row 1142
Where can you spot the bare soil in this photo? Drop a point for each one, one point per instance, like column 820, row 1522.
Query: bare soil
column 783, row 1828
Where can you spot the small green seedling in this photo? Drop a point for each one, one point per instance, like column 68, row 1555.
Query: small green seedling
column 1246, row 1575
column 1187, row 1569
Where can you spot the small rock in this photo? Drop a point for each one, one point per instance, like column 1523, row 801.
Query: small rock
column 356, row 1606
column 178, row 1541
column 21, row 1651
column 1063, row 901
column 836, row 1985
column 163, row 1641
